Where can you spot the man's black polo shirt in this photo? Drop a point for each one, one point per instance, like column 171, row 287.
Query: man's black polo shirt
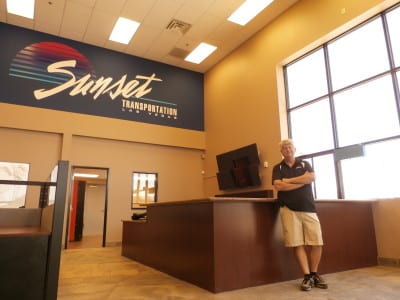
column 301, row 199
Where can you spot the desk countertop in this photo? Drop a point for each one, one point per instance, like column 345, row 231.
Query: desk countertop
column 22, row 231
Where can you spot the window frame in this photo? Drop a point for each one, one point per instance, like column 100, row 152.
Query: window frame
column 393, row 72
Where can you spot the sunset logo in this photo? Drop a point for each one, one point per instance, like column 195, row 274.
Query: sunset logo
column 69, row 70
column 32, row 62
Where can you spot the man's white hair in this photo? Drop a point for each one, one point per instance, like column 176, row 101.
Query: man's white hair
column 286, row 142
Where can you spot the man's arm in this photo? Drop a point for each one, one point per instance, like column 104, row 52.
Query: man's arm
column 281, row 185
column 306, row 178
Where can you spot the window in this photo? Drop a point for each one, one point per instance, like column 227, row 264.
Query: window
column 303, row 88
column 313, row 127
column 393, row 19
column 144, row 189
column 346, row 93
column 13, row 196
column 325, row 182
column 358, row 55
column 367, row 112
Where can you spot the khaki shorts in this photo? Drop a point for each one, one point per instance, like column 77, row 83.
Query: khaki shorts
column 300, row 228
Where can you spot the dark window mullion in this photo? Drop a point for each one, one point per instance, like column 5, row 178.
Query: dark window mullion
column 338, row 168
column 392, row 64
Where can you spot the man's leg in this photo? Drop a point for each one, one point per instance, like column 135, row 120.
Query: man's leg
column 302, row 259
column 315, row 257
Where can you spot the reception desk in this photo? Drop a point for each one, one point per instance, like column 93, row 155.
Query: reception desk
column 222, row 244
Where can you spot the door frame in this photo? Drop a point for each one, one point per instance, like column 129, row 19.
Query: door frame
column 73, row 168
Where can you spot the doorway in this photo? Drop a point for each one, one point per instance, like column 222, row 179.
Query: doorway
column 87, row 214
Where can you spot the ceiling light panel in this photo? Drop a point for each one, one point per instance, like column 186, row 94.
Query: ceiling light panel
column 124, row 30
column 23, row 8
column 201, row 52
column 248, row 10
column 84, row 175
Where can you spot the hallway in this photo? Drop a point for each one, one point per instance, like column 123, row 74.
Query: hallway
column 102, row 273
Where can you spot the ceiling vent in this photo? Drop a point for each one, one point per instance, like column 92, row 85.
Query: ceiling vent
column 178, row 26
column 179, row 53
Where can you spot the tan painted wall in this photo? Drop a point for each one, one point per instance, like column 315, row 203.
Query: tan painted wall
column 387, row 228
column 244, row 99
column 179, row 173
column 42, row 137
column 40, row 149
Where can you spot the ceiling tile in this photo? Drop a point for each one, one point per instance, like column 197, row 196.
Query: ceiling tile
column 143, row 39
column 223, row 30
column 91, row 22
column 163, row 44
column 187, row 43
column 99, row 27
column 224, row 8
column 113, row 7
column 204, row 27
column 88, row 3
column 3, row 10
column 191, row 11
column 48, row 17
column 162, row 13
column 115, row 46
column 75, row 21
column 137, row 10
column 19, row 21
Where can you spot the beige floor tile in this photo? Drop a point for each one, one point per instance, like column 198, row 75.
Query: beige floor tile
column 102, row 273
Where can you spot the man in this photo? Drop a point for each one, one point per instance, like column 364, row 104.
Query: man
column 292, row 178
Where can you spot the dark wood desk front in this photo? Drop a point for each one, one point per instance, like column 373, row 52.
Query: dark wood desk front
column 226, row 244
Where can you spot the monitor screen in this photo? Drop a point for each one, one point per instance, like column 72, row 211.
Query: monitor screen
column 239, row 168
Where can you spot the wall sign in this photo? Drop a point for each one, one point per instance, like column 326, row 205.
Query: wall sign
column 45, row 71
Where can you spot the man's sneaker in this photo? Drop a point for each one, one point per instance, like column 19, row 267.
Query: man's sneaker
column 319, row 282
column 307, row 284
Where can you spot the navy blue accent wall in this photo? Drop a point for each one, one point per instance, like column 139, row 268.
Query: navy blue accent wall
column 45, row 71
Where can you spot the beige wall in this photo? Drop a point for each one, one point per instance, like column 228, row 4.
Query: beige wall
column 242, row 99
column 387, row 229
column 179, row 173
column 42, row 137
column 40, row 149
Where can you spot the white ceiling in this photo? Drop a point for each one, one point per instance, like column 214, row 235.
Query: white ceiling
column 91, row 22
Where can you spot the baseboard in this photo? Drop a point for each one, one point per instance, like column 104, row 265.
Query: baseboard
column 390, row 262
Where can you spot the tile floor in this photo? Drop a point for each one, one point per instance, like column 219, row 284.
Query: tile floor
column 103, row 274
column 88, row 241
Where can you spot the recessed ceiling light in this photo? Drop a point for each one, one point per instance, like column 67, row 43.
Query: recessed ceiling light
column 86, row 175
column 248, row 10
column 124, row 30
column 23, row 8
column 200, row 53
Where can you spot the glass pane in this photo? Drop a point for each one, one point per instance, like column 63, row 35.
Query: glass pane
column 312, row 128
column 306, row 79
column 13, row 196
column 358, row 55
column 325, row 182
column 144, row 189
column 374, row 175
column 393, row 19
column 366, row 113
